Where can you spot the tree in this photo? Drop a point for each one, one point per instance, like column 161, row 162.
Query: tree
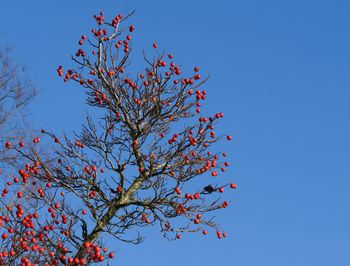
column 130, row 166
column 16, row 91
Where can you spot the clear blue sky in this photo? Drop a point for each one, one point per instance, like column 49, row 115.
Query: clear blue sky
column 279, row 72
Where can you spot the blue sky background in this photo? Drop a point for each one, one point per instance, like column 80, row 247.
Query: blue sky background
column 279, row 72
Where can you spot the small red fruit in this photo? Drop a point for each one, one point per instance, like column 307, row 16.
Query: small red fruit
column 233, row 186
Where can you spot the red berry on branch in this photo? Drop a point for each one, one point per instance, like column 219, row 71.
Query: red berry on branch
column 233, row 186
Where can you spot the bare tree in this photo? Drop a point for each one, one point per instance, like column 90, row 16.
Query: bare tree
column 16, row 91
